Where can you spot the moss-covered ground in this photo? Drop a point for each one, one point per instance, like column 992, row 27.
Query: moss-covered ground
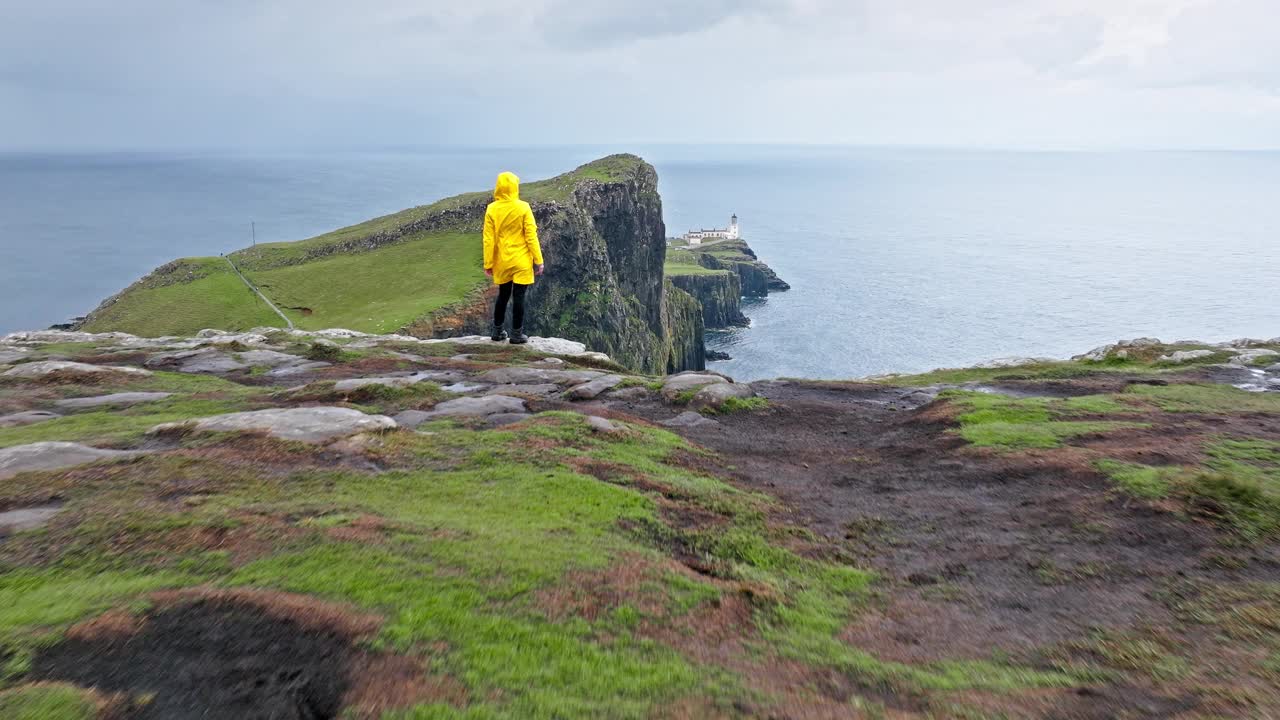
column 544, row 569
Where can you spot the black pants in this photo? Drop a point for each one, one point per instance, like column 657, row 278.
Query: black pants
column 510, row 291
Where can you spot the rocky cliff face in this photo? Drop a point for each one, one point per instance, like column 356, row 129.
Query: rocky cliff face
column 757, row 278
column 719, row 294
column 604, row 245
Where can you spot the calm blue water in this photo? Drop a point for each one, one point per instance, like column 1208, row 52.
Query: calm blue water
column 900, row 260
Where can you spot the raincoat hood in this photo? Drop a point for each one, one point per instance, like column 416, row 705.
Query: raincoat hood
column 508, row 187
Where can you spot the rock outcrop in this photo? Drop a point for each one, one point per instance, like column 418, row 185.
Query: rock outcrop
column 605, row 245
column 719, row 294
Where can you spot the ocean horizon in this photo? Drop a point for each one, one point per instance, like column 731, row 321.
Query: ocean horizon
column 900, row 259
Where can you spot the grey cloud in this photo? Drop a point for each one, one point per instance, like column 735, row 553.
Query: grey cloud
column 1059, row 41
column 585, row 25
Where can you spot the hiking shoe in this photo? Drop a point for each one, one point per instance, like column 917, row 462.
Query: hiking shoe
column 518, row 337
column 497, row 334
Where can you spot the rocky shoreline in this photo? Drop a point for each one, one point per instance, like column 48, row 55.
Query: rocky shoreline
column 719, row 274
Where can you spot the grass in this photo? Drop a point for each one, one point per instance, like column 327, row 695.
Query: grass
column 1213, row 399
column 215, row 298
column 1238, row 485
column 736, row 404
column 46, row 702
column 195, row 396
column 1003, row 422
column 477, row 527
column 378, row 291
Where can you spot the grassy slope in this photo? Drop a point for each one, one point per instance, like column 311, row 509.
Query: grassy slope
column 683, row 262
column 215, row 298
column 377, row 291
column 489, row 549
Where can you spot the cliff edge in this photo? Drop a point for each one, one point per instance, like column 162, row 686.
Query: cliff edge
column 418, row 272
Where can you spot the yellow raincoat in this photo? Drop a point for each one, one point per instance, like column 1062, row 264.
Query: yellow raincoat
column 510, row 235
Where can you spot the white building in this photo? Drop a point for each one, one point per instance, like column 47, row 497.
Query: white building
column 695, row 237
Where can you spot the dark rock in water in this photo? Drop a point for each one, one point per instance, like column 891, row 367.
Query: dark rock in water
column 714, row 355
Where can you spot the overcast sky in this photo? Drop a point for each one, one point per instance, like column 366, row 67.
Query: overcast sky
column 1015, row 73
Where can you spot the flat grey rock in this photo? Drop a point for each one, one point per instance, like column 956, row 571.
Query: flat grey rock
column 539, row 390
column 271, row 359
column 116, row 399
column 673, row 386
column 66, row 367
column 551, row 362
column 412, row 418
column 402, row 381
column 12, row 356
column 630, row 393
column 299, row 369
column 463, row 387
column 688, row 419
column 29, row 417
column 27, row 518
column 501, row 419
column 478, row 406
column 714, row 396
column 1274, row 368
column 603, row 425
column 532, row 376
column 52, row 456
column 1250, row 356
column 1182, row 356
column 304, row 424
column 201, row 361
column 591, row 389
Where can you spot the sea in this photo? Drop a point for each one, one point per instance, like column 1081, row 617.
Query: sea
column 899, row 259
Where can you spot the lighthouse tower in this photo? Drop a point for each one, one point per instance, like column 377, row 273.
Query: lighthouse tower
column 733, row 227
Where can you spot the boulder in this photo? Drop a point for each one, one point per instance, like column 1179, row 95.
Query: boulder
column 27, row 518
column 637, row 392
column 52, row 456
column 116, row 399
column 391, row 382
column 531, row 375
column 591, row 389
column 688, row 419
column 1273, row 368
column 604, row 425
column 478, row 406
column 1182, row 356
column 201, row 361
column 714, row 396
column 462, row 387
column 304, row 367
column 1248, row 357
column 29, row 417
column 66, row 367
column 271, row 359
column 304, row 424
column 674, row 385
column 412, row 418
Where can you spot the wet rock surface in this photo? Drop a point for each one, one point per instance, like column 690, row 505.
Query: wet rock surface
column 29, row 417
column 114, row 399
column 52, row 455
column 67, row 368
column 303, row 424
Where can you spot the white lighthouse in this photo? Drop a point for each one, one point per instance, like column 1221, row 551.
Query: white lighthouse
column 695, row 237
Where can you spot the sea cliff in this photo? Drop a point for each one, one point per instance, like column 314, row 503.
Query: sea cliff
column 418, row 272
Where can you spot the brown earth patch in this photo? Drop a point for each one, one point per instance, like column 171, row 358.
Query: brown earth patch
column 982, row 551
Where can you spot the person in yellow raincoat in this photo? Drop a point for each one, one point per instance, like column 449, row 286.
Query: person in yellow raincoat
column 512, row 255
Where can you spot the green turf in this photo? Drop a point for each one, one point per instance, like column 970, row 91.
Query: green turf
column 46, row 702
column 378, row 291
column 1003, row 422
column 216, row 298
